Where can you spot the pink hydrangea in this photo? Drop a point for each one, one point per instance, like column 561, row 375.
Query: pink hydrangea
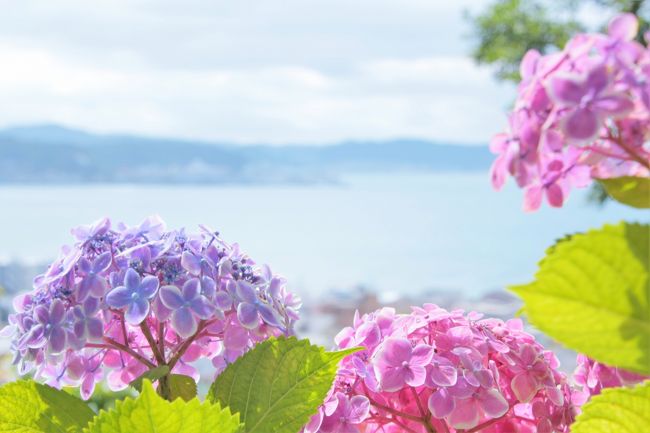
column 592, row 377
column 122, row 300
column 444, row 371
column 580, row 114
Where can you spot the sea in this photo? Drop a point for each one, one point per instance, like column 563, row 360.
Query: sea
column 396, row 234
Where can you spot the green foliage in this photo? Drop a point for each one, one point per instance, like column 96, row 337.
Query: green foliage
column 150, row 413
column 103, row 398
column 29, row 407
column 509, row 28
column 171, row 386
column 592, row 293
column 278, row 385
column 151, row 375
column 597, row 195
column 632, row 191
column 181, row 386
column 620, row 410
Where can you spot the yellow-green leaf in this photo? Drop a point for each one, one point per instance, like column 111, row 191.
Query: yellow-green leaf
column 278, row 385
column 632, row 191
column 150, row 413
column 29, row 407
column 151, row 375
column 592, row 293
column 616, row 410
column 181, row 386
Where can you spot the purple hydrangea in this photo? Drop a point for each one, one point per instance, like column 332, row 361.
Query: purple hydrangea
column 126, row 299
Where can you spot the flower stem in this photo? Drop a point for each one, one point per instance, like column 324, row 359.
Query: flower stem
column 426, row 417
column 163, row 388
column 486, row 424
column 130, row 351
column 395, row 411
column 152, row 343
column 181, row 350
column 402, row 425
column 161, row 340
column 630, row 151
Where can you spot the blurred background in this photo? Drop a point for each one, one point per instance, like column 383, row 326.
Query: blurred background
column 344, row 143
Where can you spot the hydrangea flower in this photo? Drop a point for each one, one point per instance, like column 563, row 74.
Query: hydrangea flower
column 122, row 300
column 580, row 114
column 134, row 296
column 186, row 306
column 444, row 371
column 592, row 377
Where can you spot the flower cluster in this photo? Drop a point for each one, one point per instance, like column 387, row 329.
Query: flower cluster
column 133, row 298
column 436, row 370
column 581, row 113
column 592, row 377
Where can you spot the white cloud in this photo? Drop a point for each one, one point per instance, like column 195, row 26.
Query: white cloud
column 118, row 71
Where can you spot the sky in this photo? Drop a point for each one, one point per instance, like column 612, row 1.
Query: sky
column 266, row 71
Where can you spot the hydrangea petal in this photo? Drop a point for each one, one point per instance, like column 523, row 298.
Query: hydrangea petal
column 202, row 307
column 102, row 262
column 208, row 287
column 223, row 300
column 171, row 297
column 614, row 105
column 42, row 314
column 421, row 355
column 555, row 195
column 395, row 351
column 87, row 386
column 131, row 279
column 443, row 375
column 95, row 329
column 246, row 292
column 35, row 338
column 191, row 289
column 532, row 198
column 148, row 287
column 57, row 312
column 247, row 315
column 137, row 311
column 56, row 340
column 623, row 27
column 493, row 403
column 392, row 379
column 191, row 263
column 440, row 403
column 84, row 265
column 359, row 409
column 119, row 297
column 566, row 89
column 582, row 124
column 465, row 414
column 524, row 387
column 415, row 376
column 184, row 322
column 268, row 314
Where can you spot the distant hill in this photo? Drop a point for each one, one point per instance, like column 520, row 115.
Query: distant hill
column 54, row 154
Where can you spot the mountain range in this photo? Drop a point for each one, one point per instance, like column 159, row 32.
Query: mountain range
column 55, row 154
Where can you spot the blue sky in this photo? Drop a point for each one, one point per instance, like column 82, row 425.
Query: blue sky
column 290, row 71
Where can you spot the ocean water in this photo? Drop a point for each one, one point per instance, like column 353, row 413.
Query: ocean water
column 397, row 234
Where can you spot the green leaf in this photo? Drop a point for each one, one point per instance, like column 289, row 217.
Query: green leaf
column 592, row 294
column 181, row 386
column 278, row 385
column 150, row 413
column 151, row 375
column 29, row 407
column 619, row 410
column 632, row 191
